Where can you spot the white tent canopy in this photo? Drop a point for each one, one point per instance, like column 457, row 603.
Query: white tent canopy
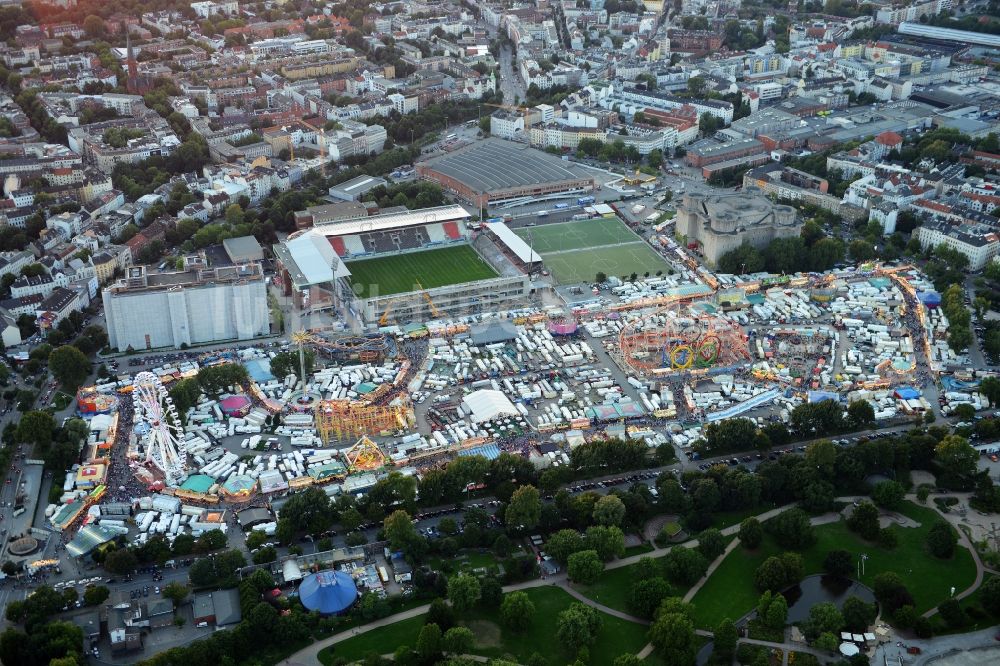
column 488, row 404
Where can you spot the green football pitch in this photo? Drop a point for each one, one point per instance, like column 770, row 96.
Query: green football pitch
column 576, row 235
column 431, row 268
column 577, row 251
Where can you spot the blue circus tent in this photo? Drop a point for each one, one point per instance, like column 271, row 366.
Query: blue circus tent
column 328, row 592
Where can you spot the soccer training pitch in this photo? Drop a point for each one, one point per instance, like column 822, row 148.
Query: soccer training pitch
column 576, row 251
column 400, row 273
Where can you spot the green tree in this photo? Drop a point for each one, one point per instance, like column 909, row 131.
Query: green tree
column 751, row 533
column 609, row 510
column 564, row 543
column 584, row 567
column 684, row 566
column 957, row 458
column 724, row 640
column 888, row 494
column 941, row 540
column 861, row 413
column 864, row 520
column 95, row 595
column 36, row 428
column 838, row 562
column 577, row 626
column 858, row 615
column 645, row 596
column 517, row 612
column 792, row 529
column 989, row 595
column 400, row 530
column 120, row 561
column 457, row 640
column 826, row 641
column 176, row 592
column 524, row 509
column 429, row 643
column 673, row 635
column 609, row 542
column 711, row 543
column 777, row 612
column 463, row 592
column 823, row 618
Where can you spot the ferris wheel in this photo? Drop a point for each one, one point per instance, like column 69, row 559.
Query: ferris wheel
column 155, row 414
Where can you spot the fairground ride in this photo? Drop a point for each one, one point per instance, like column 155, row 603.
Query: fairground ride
column 663, row 343
column 164, row 441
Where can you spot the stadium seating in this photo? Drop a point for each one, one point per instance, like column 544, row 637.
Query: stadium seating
column 392, row 241
column 338, row 246
column 436, row 233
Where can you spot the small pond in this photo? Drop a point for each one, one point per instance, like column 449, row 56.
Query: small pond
column 821, row 589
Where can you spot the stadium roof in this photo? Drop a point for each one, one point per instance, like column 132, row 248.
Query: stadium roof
column 488, row 404
column 516, row 244
column 495, row 164
column 328, row 592
column 449, row 213
column 309, row 259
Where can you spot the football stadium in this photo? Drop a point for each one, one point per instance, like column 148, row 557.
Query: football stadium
column 400, row 268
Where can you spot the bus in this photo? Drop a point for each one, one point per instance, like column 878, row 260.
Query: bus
column 383, row 575
column 451, row 137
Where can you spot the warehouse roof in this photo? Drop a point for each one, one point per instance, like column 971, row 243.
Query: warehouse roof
column 243, row 248
column 87, row 539
column 227, row 606
column 495, row 164
column 493, row 332
column 488, row 404
column 254, row 516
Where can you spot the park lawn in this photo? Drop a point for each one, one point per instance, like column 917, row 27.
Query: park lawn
column 978, row 619
column 401, row 273
column 61, row 401
column 641, row 549
column 466, row 561
column 383, row 640
column 616, row 637
column 730, row 591
column 614, row 586
column 724, row 519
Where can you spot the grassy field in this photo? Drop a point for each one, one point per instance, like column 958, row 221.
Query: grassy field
column 616, row 636
column 577, row 235
column 730, row 591
column 621, row 260
column 431, row 268
column 576, row 251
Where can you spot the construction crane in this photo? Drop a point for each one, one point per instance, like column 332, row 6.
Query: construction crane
column 430, row 301
column 384, row 319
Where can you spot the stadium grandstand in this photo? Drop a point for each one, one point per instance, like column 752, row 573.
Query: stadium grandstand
column 402, row 267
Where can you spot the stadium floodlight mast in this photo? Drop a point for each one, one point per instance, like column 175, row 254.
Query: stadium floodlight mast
column 165, row 445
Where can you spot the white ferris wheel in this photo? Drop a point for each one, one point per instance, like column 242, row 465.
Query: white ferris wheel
column 154, row 412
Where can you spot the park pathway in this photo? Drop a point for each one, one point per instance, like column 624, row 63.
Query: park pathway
column 309, row 656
